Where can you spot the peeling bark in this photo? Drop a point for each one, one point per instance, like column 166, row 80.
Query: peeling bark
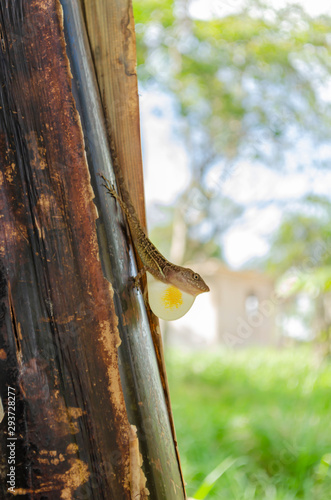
column 111, row 31
column 75, row 347
column 138, row 479
column 60, row 331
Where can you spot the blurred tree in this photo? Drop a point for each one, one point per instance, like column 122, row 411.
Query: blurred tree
column 302, row 240
column 300, row 257
column 192, row 222
column 249, row 85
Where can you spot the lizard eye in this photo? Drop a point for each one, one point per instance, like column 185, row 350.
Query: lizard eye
column 196, row 276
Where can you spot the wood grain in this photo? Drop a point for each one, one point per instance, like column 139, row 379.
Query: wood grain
column 91, row 416
column 59, row 327
column 111, row 32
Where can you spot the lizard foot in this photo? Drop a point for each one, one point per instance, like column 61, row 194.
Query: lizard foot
column 109, row 186
column 135, row 282
column 136, row 279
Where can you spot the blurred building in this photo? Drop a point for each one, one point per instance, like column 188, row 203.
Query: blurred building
column 239, row 311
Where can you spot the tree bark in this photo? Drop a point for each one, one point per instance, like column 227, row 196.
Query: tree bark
column 84, row 411
column 111, row 33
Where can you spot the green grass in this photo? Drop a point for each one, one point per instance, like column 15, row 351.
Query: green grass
column 261, row 418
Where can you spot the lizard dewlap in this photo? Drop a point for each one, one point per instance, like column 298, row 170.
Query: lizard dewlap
column 167, row 301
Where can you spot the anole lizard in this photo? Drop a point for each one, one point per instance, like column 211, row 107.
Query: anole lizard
column 153, row 261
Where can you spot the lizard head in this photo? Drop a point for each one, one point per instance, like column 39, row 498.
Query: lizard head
column 186, row 280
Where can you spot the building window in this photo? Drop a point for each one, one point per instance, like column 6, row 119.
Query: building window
column 251, row 304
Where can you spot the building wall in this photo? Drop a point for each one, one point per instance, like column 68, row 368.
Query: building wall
column 237, row 312
column 246, row 315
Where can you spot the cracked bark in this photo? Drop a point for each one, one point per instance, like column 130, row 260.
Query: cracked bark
column 90, row 414
column 111, row 32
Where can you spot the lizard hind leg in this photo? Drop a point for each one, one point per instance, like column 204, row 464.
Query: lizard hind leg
column 110, row 187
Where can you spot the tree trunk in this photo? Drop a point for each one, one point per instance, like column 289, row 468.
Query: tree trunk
column 85, row 414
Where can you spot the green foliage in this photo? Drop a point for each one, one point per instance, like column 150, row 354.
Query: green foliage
column 212, row 477
column 301, row 241
column 248, row 86
column 239, row 78
column 301, row 249
column 260, row 417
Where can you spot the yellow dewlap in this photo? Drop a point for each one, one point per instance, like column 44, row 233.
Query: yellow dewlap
column 172, row 297
column 166, row 301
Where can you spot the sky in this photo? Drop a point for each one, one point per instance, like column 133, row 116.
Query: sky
column 205, row 9
column 166, row 165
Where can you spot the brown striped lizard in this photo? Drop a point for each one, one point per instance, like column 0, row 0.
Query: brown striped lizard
column 153, row 261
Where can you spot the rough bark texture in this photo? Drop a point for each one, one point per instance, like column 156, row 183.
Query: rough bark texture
column 59, row 341
column 75, row 347
column 111, row 32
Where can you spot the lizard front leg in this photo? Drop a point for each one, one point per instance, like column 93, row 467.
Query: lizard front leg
column 138, row 276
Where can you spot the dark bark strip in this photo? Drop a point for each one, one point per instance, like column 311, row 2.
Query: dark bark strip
column 58, row 327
